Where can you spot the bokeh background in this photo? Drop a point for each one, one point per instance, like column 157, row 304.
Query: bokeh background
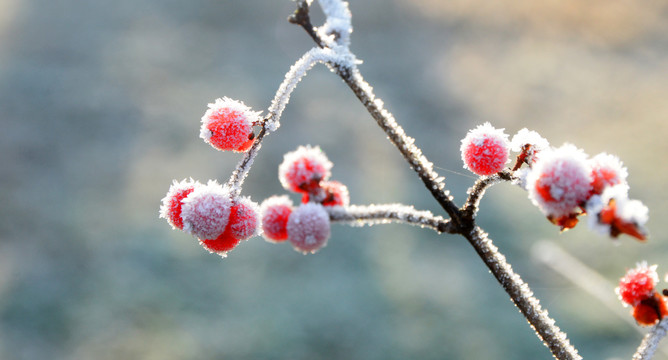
column 99, row 110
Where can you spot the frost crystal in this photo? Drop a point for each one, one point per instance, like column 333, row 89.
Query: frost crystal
column 304, row 168
column 308, row 228
column 485, row 150
column 337, row 27
column 206, row 211
column 227, row 125
column 560, row 181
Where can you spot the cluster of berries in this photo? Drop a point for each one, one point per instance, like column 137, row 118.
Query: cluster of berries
column 211, row 214
column 563, row 182
column 638, row 290
column 220, row 220
column 305, row 171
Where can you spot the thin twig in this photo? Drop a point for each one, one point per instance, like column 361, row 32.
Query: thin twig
column 651, row 341
column 357, row 215
column 477, row 191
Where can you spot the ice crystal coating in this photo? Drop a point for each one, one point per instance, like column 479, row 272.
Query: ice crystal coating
column 304, row 168
column 308, row 228
column 172, row 202
column 297, row 71
column 228, row 125
column 275, row 213
column 638, row 284
column 485, row 150
column 330, row 193
column 606, row 170
column 560, row 181
column 613, row 213
column 337, row 27
column 206, row 211
column 526, row 137
column 244, row 219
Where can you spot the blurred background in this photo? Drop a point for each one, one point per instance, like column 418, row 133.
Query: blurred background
column 100, row 104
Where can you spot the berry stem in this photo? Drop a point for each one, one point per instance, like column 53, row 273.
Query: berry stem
column 651, row 341
column 357, row 215
column 477, row 191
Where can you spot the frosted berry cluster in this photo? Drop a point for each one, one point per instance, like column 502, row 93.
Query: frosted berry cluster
column 210, row 213
column 562, row 182
column 305, row 171
column 638, row 289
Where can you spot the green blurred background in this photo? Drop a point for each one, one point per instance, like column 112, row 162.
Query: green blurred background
column 99, row 110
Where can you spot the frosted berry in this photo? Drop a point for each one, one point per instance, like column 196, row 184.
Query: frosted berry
column 308, row 228
column 206, row 211
column 228, row 125
column 613, row 213
column 222, row 244
column 606, row 170
column 638, row 284
column 330, row 193
column 560, row 182
column 172, row 202
column 485, row 150
column 275, row 213
column 244, row 219
column 649, row 311
column 529, row 144
column 303, row 169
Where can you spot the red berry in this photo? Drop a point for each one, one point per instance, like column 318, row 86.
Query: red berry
column 303, row 169
column 308, row 228
column 275, row 213
column 606, row 170
column 645, row 314
column 330, row 193
column 172, row 202
column 244, row 219
column 206, row 211
column 228, row 125
column 649, row 311
column 222, row 244
column 485, row 150
column 638, row 284
column 560, row 181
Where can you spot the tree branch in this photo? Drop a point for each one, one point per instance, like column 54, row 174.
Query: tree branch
column 522, row 296
column 477, row 191
column 357, row 215
column 651, row 341
column 517, row 289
